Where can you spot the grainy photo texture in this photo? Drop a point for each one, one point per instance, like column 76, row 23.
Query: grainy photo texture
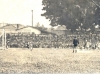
column 49, row 36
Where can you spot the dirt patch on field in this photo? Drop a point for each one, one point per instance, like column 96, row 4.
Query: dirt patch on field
column 49, row 61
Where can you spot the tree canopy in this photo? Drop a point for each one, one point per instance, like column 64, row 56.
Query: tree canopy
column 72, row 13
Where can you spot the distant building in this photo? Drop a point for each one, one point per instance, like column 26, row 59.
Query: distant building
column 29, row 29
column 63, row 27
column 60, row 30
column 35, row 30
column 8, row 28
column 18, row 28
column 11, row 28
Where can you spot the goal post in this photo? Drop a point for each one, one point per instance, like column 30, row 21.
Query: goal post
column 3, row 39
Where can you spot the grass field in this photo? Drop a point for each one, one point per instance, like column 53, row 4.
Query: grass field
column 51, row 61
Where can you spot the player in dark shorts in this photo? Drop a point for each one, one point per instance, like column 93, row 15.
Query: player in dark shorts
column 75, row 43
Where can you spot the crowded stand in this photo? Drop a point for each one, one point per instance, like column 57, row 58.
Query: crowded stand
column 24, row 40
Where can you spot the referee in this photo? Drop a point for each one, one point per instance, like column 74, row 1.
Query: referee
column 75, row 43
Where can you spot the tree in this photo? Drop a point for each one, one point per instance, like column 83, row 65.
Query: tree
column 38, row 24
column 71, row 13
column 43, row 28
column 97, row 12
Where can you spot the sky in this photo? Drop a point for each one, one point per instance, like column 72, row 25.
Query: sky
column 19, row 12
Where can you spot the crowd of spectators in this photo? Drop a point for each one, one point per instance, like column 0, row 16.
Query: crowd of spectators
column 23, row 40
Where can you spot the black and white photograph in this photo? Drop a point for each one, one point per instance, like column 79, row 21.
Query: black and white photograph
column 49, row 36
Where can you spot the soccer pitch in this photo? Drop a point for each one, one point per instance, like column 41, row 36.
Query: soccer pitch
column 48, row 60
